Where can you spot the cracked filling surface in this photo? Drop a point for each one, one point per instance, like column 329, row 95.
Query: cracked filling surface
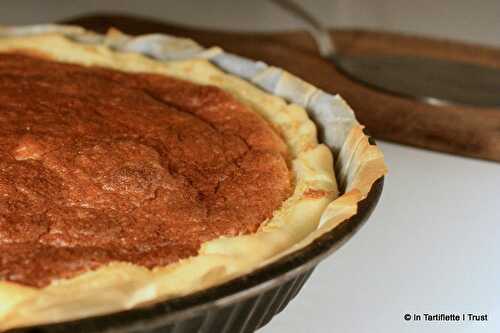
column 98, row 165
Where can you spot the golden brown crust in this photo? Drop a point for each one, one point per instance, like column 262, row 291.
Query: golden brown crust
column 115, row 166
column 122, row 286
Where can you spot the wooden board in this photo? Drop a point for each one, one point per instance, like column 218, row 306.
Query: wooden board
column 467, row 131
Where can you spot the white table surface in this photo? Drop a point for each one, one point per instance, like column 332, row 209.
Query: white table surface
column 433, row 243
column 431, row 246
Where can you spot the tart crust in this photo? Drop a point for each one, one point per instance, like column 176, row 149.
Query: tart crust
column 311, row 210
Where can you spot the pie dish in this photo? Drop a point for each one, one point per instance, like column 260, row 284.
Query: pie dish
column 277, row 186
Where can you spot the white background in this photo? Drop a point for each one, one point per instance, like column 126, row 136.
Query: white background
column 433, row 244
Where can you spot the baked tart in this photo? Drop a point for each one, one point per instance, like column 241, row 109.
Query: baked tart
column 126, row 180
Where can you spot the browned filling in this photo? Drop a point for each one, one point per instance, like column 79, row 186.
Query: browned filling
column 99, row 165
